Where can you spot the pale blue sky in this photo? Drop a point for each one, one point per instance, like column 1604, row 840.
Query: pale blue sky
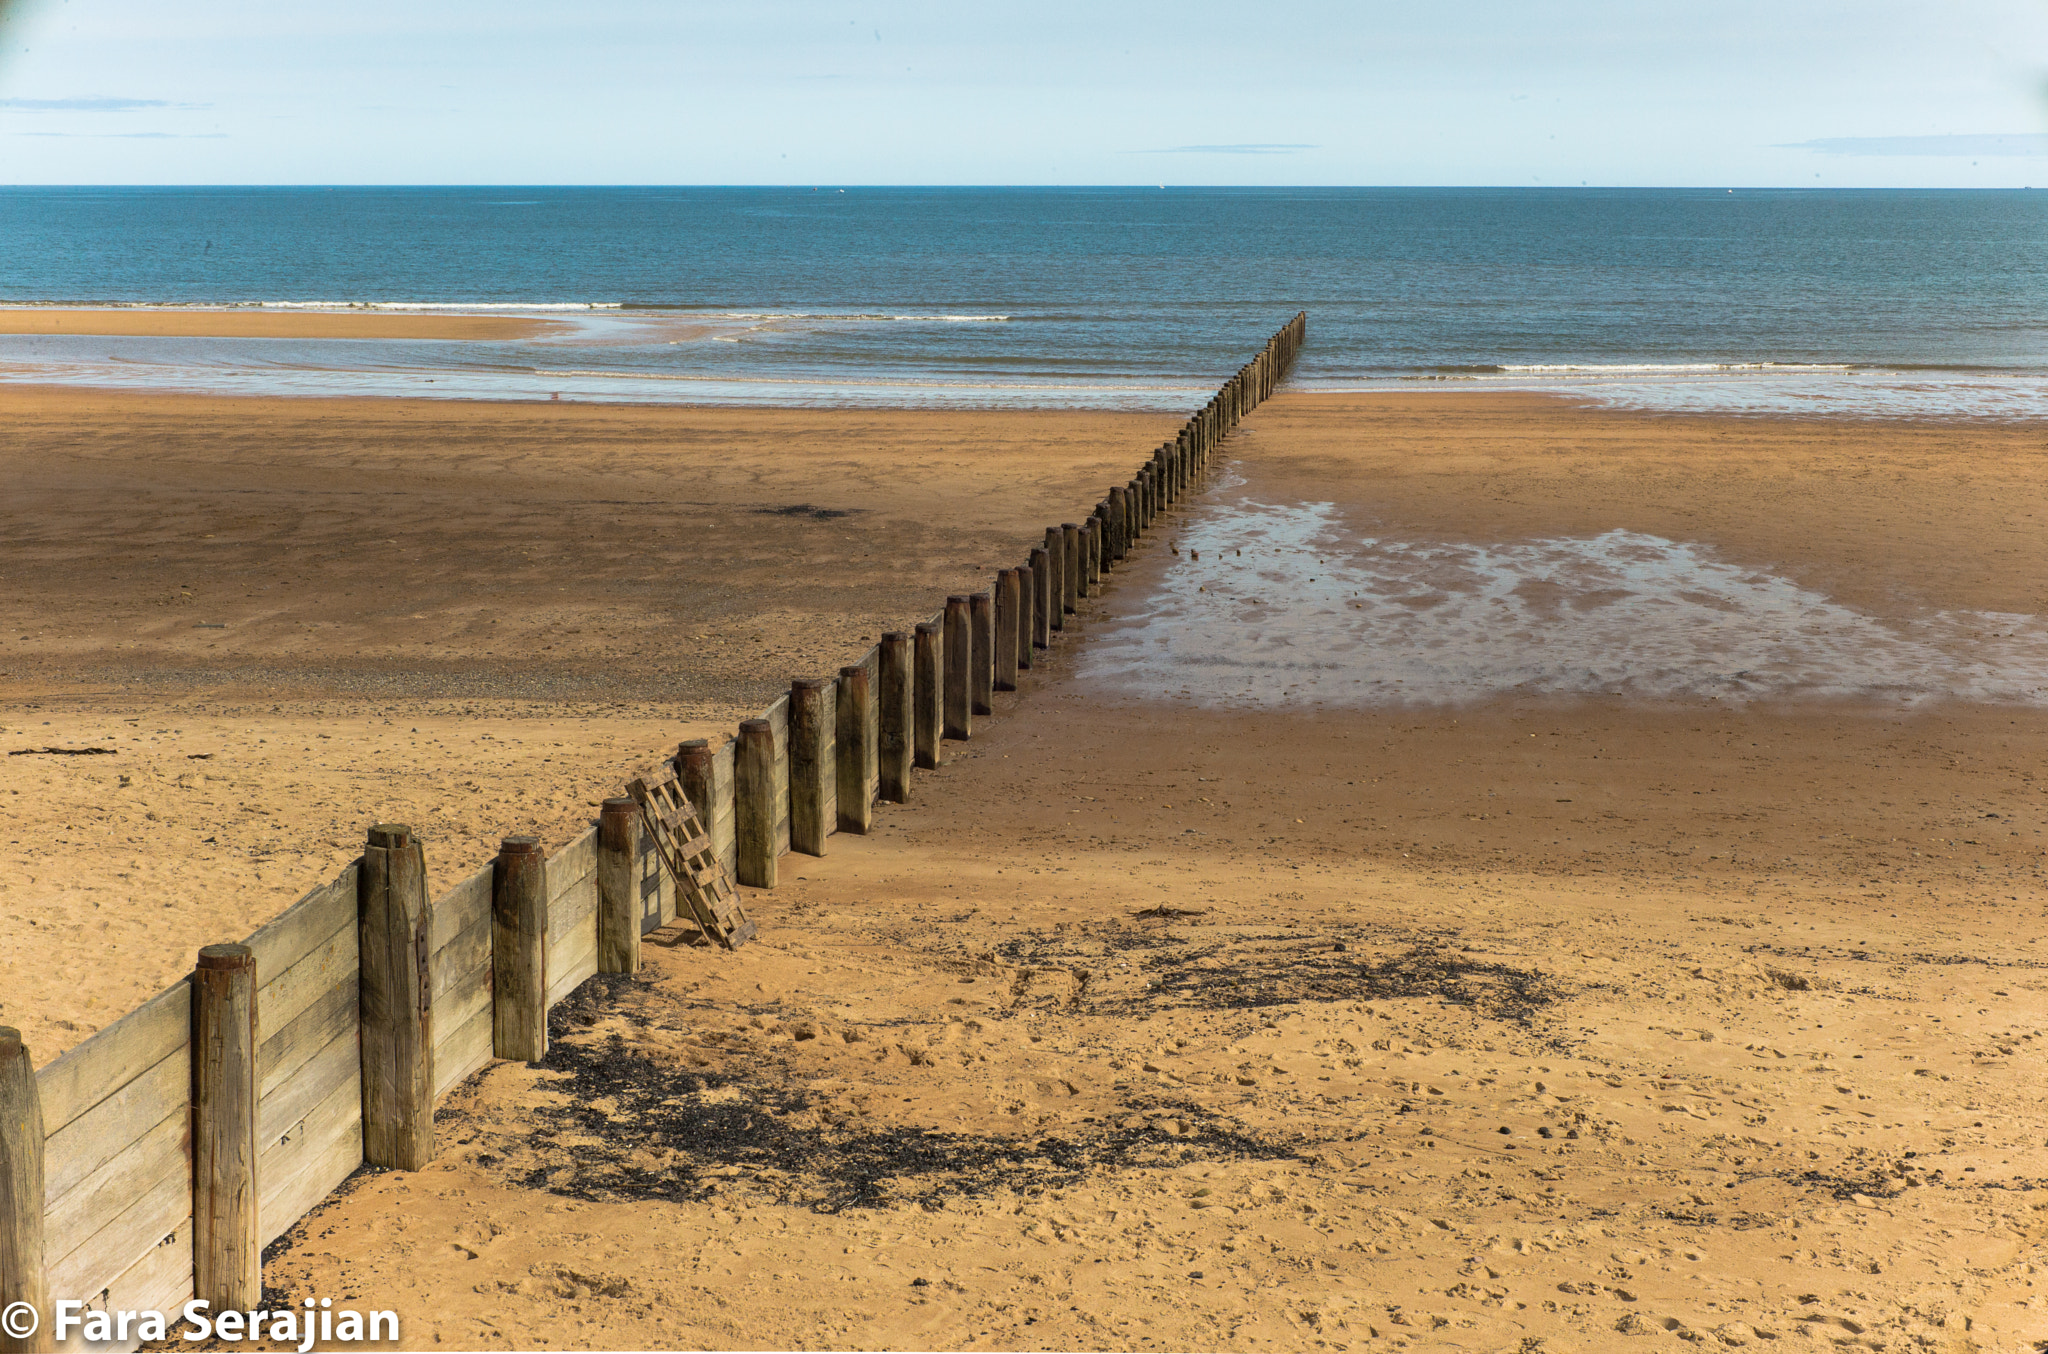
column 1743, row 92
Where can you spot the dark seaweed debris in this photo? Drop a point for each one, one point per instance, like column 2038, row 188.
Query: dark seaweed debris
column 1319, row 971
column 810, row 510
column 816, row 1156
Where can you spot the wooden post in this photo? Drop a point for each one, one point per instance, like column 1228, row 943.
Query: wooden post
column 929, row 715
column 1070, row 566
column 813, row 702
column 1041, row 600
column 981, row 624
column 1027, row 609
column 395, row 994
column 853, row 735
column 618, row 902
column 898, row 741
column 1056, row 578
column 1117, row 518
column 697, row 769
column 519, row 951
column 1091, row 557
column 753, row 803
column 227, row 1253
column 959, row 660
column 1004, row 676
column 24, row 1272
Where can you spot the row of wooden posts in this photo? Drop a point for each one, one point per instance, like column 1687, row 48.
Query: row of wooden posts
column 851, row 740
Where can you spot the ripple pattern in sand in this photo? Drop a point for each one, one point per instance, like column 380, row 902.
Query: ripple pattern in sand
column 1278, row 604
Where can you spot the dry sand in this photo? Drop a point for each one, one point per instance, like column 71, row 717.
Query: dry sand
column 299, row 324
column 1529, row 1024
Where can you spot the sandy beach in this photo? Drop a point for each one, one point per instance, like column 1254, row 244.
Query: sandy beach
column 1559, row 1021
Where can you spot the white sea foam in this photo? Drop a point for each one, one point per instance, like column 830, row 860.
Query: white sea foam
column 440, row 305
column 1310, row 614
column 849, row 317
column 1667, row 368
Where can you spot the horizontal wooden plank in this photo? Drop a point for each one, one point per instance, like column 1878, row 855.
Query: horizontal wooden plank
column 461, row 956
column 463, row 1051
column 462, row 1000
column 572, row 907
column 294, row 1099
column 298, row 1173
column 336, row 1013
column 131, row 1229
column 571, row 864
column 461, row 906
column 284, row 995
column 81, row 1147
column 159, row 1281
column 573, row 960
column 293, row 933
column 83, row 1076
column 72, row 1222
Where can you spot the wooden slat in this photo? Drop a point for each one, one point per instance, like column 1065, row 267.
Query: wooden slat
column 573, row 959
column 460, row 957
column 132, row 1226
column 78, row 1217
column 287, row 938
column 160, row 1280
column 462, row 1000
column 279, row 1112
column 324, row 1148
column 283, row 994
column 118, row 1054
column 777, row 716
column 337, row 1013
column 568, row 866
column 461, row 908
column 74, row 1152
column 463, row 1051
column 724, row 819
column 651, row 885
column 572, row 907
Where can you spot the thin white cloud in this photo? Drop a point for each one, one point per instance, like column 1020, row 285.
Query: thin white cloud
column 1992, row 143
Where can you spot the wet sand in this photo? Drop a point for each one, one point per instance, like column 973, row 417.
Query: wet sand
column 1164, row 1021
column 298, row 324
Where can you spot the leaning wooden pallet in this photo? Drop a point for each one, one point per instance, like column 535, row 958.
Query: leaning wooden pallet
column 685, row 847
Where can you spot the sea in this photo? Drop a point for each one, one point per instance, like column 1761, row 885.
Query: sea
column 1889, row 304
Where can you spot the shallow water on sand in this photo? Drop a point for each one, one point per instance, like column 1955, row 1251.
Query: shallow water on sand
column 1279, row 604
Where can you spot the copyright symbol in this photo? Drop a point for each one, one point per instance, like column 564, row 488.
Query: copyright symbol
column 20, row 1320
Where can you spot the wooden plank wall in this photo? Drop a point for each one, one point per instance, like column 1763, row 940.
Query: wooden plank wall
column 117, row 1182
column 572, row 915
column 461, row 968
column 309, row 1090
column 651, row 883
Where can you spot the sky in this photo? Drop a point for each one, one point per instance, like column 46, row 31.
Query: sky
column 1786, row 93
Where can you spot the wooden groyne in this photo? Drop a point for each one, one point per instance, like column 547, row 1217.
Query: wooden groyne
column 153, row 1163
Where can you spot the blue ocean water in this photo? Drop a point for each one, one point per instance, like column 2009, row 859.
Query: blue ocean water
column 1859, row 302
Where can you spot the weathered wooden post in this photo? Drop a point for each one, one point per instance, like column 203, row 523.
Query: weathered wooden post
column 519, row 950
column 395, row 995
column 929, row 718
column 227, row 1253
column 813, row 703
column 618, row 902
column 1091, row 557
column 1004, row 677
column 1070, row 566
column 897, row 741
column 1041, row 599
column 753, row 803
column 853, row 732
column 24, row 1271
column 1027, row 611
column 981, row 619
column 697, row 770
column 959, row 646
column 1056, row 578
column 1117, row 518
